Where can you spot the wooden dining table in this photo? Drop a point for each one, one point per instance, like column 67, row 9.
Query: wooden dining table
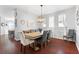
column 33, row 35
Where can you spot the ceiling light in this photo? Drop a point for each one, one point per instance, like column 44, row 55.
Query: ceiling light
column 41, row 18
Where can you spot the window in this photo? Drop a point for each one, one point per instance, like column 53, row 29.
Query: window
column 11, row 25
column 51, row 21
column 10, row 22
column 61, row 20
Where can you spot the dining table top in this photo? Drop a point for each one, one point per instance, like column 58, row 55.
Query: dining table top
column 32, row 35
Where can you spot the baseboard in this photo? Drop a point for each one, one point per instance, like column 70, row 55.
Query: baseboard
column 60, row 38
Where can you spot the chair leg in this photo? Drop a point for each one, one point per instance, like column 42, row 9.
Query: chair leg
column 24, row 51
column 63, row 38
column 45, row 44
column 21, row 48
column 29, row 46
column 34, row 45
column 41, row 45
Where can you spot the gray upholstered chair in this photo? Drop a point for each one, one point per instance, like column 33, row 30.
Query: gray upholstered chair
column 49, row 32
column 40, row 30
column 74, row 36
column 43, row 40
column 71, row 34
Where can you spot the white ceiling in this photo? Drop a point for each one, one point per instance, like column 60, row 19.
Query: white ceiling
column 47, row 9
column 36, row 9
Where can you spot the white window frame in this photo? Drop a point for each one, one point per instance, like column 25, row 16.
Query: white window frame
column 61, row 20
column 51, row 21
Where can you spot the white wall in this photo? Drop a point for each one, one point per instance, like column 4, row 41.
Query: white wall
column 5, row 13
column 77, row 39
column 58, row 32
column 0, row 26
column 77, row 29
column 29, row 21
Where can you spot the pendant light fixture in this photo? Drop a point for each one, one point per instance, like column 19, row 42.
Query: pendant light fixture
column 15, row 14
column 41, row 18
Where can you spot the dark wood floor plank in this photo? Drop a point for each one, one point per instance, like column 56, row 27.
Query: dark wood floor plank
column 55, row 46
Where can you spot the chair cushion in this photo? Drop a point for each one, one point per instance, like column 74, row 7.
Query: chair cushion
column 27, row 42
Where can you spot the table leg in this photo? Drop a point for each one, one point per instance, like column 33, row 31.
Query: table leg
column 24, row 50
column 21, row 48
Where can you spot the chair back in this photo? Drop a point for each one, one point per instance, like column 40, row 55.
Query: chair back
column 24, row 40
column 44, row 37
column 40, row 30
column 71, row 32
column 74, row 36
column 48, row 35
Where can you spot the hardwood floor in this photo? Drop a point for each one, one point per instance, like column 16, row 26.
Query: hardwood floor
column 55, row 46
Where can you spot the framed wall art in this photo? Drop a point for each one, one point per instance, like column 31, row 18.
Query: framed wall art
column 22, row 21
